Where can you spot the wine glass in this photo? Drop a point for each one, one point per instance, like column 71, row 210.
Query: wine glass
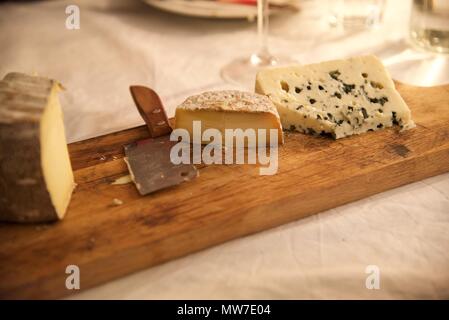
column 242, row 71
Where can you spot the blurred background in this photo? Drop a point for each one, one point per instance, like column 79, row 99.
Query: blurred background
column 181, row 47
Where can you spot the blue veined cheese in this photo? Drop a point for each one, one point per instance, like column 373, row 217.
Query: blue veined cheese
column 338, row 98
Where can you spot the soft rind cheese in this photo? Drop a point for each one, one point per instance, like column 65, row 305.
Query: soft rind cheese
column 229, row 109
column 36, row 178
column 338, row 98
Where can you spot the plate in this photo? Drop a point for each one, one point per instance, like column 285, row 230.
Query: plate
column 214, row 9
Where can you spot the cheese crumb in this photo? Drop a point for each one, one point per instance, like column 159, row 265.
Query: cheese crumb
column 117, row 202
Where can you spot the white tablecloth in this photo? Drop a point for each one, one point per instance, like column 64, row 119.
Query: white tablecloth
column 404, row 231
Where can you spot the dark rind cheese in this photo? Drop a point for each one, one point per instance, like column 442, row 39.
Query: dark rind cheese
column 36, row 178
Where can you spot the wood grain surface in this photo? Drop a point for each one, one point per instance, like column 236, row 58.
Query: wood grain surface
column 107, row 240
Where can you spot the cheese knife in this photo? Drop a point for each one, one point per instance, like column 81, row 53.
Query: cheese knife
column 148, row 160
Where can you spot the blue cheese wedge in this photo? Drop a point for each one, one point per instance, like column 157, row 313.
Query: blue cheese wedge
column 338, row 98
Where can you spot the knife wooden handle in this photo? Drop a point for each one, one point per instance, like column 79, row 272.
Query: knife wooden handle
column 151, row 109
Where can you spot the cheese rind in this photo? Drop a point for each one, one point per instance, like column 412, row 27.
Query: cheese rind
column 338, row 98
column 229, row 109
column 36, row 178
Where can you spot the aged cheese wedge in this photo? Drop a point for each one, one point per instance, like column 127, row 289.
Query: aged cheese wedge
column 36, row 178
column 338, row 98
column 229, row 110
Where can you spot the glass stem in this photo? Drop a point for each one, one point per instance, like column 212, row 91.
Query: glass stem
column 262, row 28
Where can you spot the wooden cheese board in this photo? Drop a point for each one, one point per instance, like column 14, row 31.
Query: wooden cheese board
column 106, row 240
